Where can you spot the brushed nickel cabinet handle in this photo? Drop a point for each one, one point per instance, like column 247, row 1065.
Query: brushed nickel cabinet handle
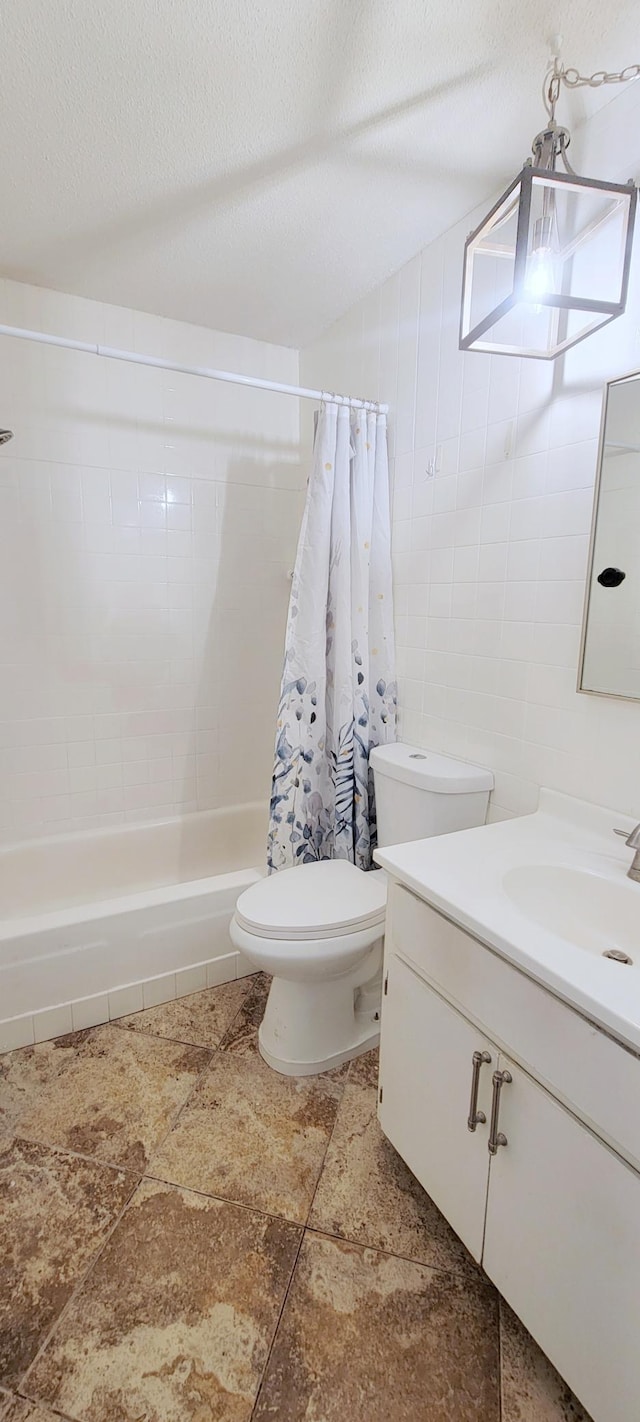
column 476, row 1117
column 496, row 1137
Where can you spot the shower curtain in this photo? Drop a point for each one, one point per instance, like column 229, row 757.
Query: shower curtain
column 338, row 696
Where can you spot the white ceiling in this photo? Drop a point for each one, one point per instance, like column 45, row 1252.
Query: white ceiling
column 257, row 166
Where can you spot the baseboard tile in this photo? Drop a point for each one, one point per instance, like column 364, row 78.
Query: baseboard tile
column 120, row 1001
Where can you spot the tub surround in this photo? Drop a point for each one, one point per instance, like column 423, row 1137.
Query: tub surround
column 149, row 521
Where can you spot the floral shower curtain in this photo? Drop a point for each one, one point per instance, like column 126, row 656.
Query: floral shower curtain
column 338, row 695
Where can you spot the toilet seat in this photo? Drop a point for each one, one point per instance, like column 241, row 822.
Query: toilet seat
column 312, row 902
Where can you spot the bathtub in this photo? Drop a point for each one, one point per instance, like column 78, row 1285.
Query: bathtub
column 102, row 923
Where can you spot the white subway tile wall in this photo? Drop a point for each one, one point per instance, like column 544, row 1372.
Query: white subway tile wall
column 148, row 524
column 494, row 463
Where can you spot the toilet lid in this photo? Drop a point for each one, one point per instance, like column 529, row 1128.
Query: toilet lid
column 314, row 901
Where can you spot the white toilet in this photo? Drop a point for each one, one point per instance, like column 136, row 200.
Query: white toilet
column 318, row 928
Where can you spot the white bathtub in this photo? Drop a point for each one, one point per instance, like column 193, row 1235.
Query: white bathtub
column 95, row 925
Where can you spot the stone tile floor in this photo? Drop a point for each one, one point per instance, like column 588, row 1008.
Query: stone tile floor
column 189, row 1237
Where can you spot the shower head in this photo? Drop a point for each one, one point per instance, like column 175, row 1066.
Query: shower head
column 5, row 436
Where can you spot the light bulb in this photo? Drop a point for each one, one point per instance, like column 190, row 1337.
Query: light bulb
column 541, row 274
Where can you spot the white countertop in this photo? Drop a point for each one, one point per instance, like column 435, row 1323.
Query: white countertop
column 463, row 876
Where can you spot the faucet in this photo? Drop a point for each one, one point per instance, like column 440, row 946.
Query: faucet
column 633, row 840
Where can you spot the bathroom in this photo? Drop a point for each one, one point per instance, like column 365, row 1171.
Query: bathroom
column 231, row 266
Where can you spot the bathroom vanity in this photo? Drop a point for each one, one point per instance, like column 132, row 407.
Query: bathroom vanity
column 510, row 1072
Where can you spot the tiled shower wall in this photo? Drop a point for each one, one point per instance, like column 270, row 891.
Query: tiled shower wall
column 148, row 524
column 494, row 465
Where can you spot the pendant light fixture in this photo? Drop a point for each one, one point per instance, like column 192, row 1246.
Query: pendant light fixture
column 550, row 262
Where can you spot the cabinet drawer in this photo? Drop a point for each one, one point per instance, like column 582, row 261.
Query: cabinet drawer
column 596, row 1077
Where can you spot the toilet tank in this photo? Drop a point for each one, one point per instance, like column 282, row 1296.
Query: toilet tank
column 420, row 793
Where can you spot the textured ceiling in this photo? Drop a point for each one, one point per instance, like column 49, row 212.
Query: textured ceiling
column 257, row 167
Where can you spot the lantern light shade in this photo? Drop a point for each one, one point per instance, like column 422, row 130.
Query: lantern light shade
column 548, row 265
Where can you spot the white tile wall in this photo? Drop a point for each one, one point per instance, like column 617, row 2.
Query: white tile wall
column 490, row 552
column 612, row 647
column 148, row 524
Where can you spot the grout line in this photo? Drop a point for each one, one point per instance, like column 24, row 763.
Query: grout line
column 158, row 1036
column 345, row 1238
column 235, row 1204
column 500, row 1394
column 22, row 1397
column 309, row 1230
column 224, row 1200
column 450, row 1273
column 18, row 1134
column 78, row 1155
column 324, row 1157
column 178, row 1112
column 251, row 979
column 327, row 1149
column 114, row 1164
column 251, row 445
column 136, row 1184
column 277, row 1327
column 201, row 1074
column 76, row 1289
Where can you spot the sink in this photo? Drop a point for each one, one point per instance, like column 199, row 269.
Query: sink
column 549, row 893
column 601, row 915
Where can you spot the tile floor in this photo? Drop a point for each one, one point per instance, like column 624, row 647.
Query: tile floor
column 188, row 1237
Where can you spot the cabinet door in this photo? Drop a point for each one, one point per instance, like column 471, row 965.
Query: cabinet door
column 562, row 1243
column 426, row 1073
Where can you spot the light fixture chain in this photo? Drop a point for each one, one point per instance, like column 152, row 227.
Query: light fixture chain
column 573, row 79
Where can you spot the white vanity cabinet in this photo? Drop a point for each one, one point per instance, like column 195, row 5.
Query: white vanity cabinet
column 552, row 1211
column 428, row 1068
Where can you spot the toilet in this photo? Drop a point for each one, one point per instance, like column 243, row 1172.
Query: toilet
column 318, row 929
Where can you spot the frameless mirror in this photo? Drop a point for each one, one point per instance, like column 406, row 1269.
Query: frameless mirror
column 610, row 660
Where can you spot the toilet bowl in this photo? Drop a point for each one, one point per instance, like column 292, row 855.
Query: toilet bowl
column 318, row 929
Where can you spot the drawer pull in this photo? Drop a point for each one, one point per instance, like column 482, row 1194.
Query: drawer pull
column 496, row 1137
column 475, row 1116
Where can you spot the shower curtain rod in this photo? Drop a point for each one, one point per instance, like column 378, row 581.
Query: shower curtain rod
column 232, row 378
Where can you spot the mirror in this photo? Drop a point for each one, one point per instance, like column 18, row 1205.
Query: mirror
column 610, row 657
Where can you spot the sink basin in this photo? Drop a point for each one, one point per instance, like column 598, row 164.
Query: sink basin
column 598, row 914
column 549, row 893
